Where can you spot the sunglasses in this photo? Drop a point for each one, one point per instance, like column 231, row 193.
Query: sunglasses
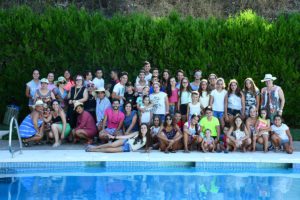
column 169, row 119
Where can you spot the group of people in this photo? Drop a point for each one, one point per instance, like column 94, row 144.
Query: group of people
column 157, row 111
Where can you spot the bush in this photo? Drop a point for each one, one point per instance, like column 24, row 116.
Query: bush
column 241, row 46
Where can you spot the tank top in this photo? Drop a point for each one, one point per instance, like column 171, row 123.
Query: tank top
column 171, row 134
column 42, row 96
column 262, row 123
column 56, row 119
column 76, row 93
column 195, row 108
column 234, row 102
column 192, row 131
column 271, row 98
column 204, row 99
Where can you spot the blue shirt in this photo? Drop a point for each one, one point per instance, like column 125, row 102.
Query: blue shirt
column 101, row 106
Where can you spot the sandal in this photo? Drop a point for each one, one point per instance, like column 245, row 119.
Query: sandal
column 173, row 151
column 186, row 151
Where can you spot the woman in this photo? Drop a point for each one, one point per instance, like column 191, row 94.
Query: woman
column 31, row 128
column 169, row 136
column 251, row 93
column 172, row 92
column 61, row 93
column 70, row 83
column 90, row 104
column 32, row 86
column 238, row 136
column 196, row 83
column 234, row 101
column 191, row 133
column 130, row 123
column 185, row 97
column 51, row 84
column 165, row 80
column 44, row 93
column 125, row 143
column 86, row 125
column 60, row 129
column 78, row 93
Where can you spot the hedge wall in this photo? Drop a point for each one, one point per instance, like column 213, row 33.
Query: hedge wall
column 242, row 46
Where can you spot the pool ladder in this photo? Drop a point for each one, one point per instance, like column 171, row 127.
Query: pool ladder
column 13, row 122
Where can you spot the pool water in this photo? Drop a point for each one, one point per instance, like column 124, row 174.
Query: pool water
column 183, row 184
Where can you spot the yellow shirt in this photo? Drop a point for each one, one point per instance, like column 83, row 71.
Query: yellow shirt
column 211, row 125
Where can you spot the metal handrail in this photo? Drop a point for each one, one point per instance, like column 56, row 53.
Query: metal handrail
column 13, row 121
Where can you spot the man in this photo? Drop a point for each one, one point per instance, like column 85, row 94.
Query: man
column 272, row 97
column 102, row 103
column 114, row 75
column 148, row 75
column 160, row 102
column 212, row 123
column 113, row 118
column 119, row 89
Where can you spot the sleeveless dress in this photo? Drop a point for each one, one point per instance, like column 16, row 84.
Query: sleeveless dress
column 27, row 129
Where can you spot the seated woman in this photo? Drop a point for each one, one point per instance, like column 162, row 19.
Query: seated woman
column 31, row 128
column 238, row 136
column 125, row 143
column 262, row 128
column 44, row 93
column 86, row 125
column 60, row 129
column 191, row 133
column 130, row 123
column 169, row 136
column 208, row 143
column 281, row 135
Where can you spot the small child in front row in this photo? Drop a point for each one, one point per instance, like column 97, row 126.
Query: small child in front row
column 146, row 113
column 208, row 143
column 154, row 130
column 262, row 128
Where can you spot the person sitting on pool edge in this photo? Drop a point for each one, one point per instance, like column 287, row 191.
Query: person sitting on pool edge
column 125, row 143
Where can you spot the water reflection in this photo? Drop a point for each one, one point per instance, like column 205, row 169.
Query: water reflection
column 154, row 187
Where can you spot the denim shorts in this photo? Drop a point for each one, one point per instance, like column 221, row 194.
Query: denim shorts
column 233, row 112
column 126, row 146
column 283, row 142
column 218, row 114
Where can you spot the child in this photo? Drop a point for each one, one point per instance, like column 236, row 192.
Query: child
column 208, row 143
column 98, row 80
column 140, row 84
column 194, row 107
column 262, row 128
column 281, row 135
column 172, row 92
column 130, row 95
column 204, row 94
column 139, row 100
column 154, row 130
column 185, row 97
column 146, row 111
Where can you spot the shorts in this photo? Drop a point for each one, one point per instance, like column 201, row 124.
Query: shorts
column 126, row 146
column 218, row 114
column 233, row 112
column 283, row 142
column 183, row 109
column 68, row 129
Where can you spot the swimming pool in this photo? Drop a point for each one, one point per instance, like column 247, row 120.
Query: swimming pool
column 97, row 182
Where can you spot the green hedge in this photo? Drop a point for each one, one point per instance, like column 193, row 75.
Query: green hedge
column 242, row 46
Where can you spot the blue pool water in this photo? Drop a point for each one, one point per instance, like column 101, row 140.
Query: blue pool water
column 153, row 185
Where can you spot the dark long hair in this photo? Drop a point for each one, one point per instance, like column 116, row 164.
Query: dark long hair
column 197, row 124
column 237, row 91
column 242, row 128
column 189, row 89
column 139, row 138
column 169, row 87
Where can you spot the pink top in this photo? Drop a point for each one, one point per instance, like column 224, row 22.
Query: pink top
column 86, row 121
column 174, row 97
column 68, row 85
column 114, row 119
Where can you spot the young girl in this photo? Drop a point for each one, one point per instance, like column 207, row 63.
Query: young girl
column 130, row 95
column 204, row 94
column 262, row 128
column 154, row 130
column 165, row 80
column 185, row 97
column 208, row 143
column 172, row 92
column 251, row 93
column 217, row 100
column 191, row 133
column 146, row 111
column 139, row 100
column 125, row 143
column 194, row 107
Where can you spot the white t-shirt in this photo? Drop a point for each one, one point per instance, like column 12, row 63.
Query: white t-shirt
column 119, row 89
column 158, row 101
column 204, row 99
column 192, row 131
column 234, row 102
column 146, row 115
column 186, row 97
column 281, row 131
column 155, row 130
column 99, row 83
column 218, row 104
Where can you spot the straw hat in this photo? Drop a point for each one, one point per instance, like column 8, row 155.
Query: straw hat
column 76, row 104
column 38, row 103
column 60, row 79
column 107, row 93
column 268, row 77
